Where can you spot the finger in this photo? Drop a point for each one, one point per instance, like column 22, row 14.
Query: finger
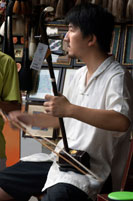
column 12, row 117
column 48, row 97
column 14, row 114
column 46, row 104
column 48, row 111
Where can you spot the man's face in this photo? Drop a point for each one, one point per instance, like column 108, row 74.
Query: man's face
column 76, row 44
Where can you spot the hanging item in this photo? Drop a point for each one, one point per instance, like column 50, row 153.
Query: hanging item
column 117, row 9
column 129, row 10
column 105, row 3
column 63, row 7
column 8, row 46
column 18, row 25
column 2, row 10
column 35, row 2
column 25, row 73
column 32, row 44
column 2, row 28
column 5, row 28
column 109, row 6
column 96, row 1
column 17, row 7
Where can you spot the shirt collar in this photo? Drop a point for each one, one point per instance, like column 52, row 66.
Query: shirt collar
column 103, row 66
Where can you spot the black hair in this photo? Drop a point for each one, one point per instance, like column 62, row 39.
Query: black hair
column 93, row 19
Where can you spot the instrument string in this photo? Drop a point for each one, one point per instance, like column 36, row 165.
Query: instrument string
column 24, row 127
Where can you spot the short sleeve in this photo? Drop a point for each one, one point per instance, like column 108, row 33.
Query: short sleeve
column 10, row 90
column 119, row 95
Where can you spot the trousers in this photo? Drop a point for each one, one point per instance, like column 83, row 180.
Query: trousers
column 26, row 179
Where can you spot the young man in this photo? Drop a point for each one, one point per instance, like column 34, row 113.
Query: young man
column 9, row 96
column 97, row 112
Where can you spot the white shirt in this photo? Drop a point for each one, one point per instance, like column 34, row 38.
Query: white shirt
column 109, row 88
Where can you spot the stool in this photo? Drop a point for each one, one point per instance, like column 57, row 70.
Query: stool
column 121, row 196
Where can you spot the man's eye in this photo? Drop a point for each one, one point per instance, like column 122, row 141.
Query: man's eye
column 71, row 30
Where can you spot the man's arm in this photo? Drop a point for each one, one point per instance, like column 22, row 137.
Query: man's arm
column 104, row 119
column 40, row 120
column 59, row 106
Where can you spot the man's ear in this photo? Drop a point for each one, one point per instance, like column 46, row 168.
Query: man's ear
column 92, row 40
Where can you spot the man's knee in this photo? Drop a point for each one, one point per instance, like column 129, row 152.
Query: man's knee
column 4, row 196
column 65, row 192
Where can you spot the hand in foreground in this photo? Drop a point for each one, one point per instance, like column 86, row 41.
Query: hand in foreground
column 38, row 119
column 16, row 117
column 57, row 106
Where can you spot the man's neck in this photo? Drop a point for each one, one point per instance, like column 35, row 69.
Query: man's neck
column 94, row 61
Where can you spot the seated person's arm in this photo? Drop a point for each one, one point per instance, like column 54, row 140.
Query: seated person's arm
column 40, row 120
column 104, row 119
column 59, row 106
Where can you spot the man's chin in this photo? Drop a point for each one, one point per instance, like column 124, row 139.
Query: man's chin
column 71, row 56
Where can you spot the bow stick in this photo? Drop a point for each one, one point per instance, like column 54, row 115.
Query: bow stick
column 24, row 127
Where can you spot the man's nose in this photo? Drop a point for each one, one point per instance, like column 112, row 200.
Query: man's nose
column 66, row 36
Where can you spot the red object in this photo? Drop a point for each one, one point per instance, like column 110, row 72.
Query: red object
column 12, row 138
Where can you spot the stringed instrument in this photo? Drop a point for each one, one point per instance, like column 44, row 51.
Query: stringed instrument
column 82, row 156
